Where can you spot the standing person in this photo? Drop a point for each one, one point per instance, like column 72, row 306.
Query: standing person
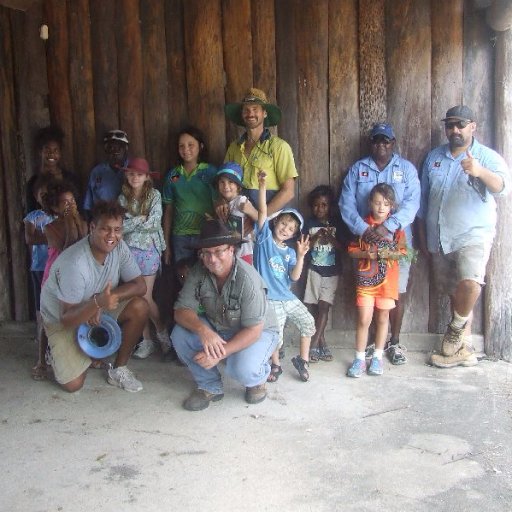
column 258, row 150
column 384, row 166
column 458, row 222
column 237, row 325
column 326, row 238
column 280, row 265
column 106, row 179
column 142, row 232
column 97, row 275
column 187, row 195
column 377, row 280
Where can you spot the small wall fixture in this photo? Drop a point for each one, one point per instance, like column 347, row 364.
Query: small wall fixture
column 43, row 32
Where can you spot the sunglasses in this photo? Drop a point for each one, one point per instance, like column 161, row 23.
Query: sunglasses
column 381, row 140
column 450, row 125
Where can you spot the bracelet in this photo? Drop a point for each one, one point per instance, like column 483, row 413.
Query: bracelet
column 96, row 300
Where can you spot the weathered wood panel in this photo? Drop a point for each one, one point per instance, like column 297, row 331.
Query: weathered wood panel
column 237, row 44
column 104, row 65
column 57, row 62
column 498, row 293
column 156, row 108
column 81, row 87
column 130, row 74
column 205, row 77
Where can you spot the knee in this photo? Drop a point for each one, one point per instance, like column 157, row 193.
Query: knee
column 74, row 385
column 137, row 308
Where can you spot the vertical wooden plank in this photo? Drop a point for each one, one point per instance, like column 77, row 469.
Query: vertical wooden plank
column 205, row 78
column 15, row 293
column 57, row 62
column 104, row 65
column 237, row 46
column 264, row 47
column 312, row 62
column 447, row 49
column 287, row 73
column 344, row 134
column 372, row 66
column 130, row 73
column 156, row 108
column 498, row 294
column 81, row 87
column 177, row 79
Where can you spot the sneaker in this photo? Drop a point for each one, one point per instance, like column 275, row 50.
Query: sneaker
column 123, row 378
column 300, row 365
column 376, row 367
column 144, row 349
column 357, row 369
column 465, row 356
column 369, row 350
column 200, row 399
column 164, row 340
column 395, row 353
column 452, row 340
column 255, row 394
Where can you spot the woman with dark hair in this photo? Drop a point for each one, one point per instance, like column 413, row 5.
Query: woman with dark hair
column 187, row 195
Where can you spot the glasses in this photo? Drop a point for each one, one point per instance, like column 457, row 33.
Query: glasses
column 381, row 140
column 450, row 125
column 218, row 253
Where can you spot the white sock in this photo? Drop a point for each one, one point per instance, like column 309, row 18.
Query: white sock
column 360, row 355
column 378, row 353
column 458, row 321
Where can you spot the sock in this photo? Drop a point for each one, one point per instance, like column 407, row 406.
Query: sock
column 458, row 321
column 360, row 355
column 378, row 353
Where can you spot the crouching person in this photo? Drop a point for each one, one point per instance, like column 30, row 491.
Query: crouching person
column 96, row 275
column 237, row 325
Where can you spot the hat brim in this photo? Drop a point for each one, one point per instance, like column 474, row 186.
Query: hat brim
column 457, row 118
column 233, row 112
column 230, row 177
column 216, row 241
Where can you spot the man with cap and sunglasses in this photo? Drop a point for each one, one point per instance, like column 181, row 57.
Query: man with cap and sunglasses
column 237, row 326
column 106, row 179
column 383, row 165
column 258, row 150
column 459, row 183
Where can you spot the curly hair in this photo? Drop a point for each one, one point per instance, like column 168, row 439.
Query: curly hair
column 321, row 191
column 197, row 134
column 144, row 200
column 108, row 209
column 52, row 133
column 54, row 189
column 386, row 191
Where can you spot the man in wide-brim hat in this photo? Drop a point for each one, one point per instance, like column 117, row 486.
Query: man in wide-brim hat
column 258, row 150
column 237, row 325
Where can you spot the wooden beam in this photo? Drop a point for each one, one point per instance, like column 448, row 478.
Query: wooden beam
column 20, row 5
column 499, row 15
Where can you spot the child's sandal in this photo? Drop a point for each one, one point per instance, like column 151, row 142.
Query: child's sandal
column 300, row 365
column 325, row 354
column 275, row 371
column 314, row 354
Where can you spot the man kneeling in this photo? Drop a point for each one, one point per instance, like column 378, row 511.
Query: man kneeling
column 84, row 282
column 235, row 322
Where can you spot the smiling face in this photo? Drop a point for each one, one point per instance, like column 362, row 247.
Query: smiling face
column 188, row 149
column 105, row 236
column 381, row 148
column 285, row 227
column 380, row 207
column 51, row 155
column 116, row 152
column 218, row 260
column 136, row 179
column 253, row 115
column 227, row 188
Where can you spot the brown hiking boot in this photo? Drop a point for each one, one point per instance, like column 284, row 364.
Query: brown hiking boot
column 255, row 394
column 200, row 399
column 465, row 356
column 452, row 341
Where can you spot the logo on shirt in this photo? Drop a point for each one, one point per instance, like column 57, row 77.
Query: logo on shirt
column 398, row 176
column 364, row 174
column 437, row 164
column 278, row 269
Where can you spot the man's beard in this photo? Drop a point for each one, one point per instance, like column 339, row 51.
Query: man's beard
column 457, row 141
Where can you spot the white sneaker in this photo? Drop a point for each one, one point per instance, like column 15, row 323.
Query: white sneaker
column 123, row 378
column 144, row 349
column 164, row 340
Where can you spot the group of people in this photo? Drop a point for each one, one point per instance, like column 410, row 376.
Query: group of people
column 238, row 248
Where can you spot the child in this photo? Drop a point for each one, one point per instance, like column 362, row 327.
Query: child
column 279, row 266
column 187, row 195
column 322, row 279
column 142, row 231
column 241, row 212
column 34, row 223
column 377, row 281
column 68, row 227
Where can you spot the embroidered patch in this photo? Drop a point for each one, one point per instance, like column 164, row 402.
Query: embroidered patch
column 364, row 174
column 398, row 176
column 437, row 164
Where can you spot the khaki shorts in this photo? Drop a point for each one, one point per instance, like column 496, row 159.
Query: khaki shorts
column 320, row 288
column 68, row 359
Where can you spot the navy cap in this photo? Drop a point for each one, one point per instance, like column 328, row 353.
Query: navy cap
column 459, row 113
column 382, row 129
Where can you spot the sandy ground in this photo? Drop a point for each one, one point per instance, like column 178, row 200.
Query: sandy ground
column 415, row 439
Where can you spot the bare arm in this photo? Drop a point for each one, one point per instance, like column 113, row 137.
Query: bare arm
column 491, row 180
column 167, row 227
column 302, row 249
column 283, row 197
column 262, row 199
column 34, row 236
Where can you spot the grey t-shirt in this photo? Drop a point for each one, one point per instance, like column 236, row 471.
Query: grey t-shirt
column 76, row 276
column 241, row 303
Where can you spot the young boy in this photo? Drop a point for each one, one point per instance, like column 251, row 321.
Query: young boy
column 279, row 266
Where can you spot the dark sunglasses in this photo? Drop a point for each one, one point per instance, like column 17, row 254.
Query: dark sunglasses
column 381, row 140
column 450, row 125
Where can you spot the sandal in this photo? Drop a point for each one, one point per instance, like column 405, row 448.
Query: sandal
column 275, row 371
column 315, row 354
column 39, row 372
column 325, row 354
column 300, row 365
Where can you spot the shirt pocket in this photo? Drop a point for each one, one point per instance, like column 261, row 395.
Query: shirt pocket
column 365, row 177
column 232, row 316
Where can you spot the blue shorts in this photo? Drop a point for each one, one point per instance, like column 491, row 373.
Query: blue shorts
column 148, row 260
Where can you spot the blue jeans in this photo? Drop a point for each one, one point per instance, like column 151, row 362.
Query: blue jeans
column 249, row 366
column 181, row 246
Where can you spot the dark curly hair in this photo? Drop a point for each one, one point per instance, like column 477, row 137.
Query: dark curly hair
column 108, row 209
column 52, row 133
column 197, row 134
column 54, row 189
column 321, row 191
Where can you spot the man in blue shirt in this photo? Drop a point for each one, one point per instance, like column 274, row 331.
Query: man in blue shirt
column 106, row 179
column 458, row 223
column 383, row 166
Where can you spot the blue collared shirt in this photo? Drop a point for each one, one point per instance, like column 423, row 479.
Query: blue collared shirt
column 363, row 176
column 104, row 184
column 456, row 215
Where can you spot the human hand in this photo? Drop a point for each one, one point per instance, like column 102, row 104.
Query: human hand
column 248, row 208
column 167, row 256
column 372, row 253
column 470, row 165
column 96, row 318
column 106, row 299
column 213, row 344
column 369, row 236
column 302, row 245
column 262, row 178
column 222, row 211
column 205, row 361
column 382, row 232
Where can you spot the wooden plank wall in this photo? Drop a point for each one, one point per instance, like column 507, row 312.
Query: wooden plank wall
column 334, row 66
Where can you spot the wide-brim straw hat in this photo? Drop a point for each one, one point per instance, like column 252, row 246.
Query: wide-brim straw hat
column 234, row 110
column 213, row 233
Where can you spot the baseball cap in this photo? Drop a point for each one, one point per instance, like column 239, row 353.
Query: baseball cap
column 118, row 135
column 460, row 113
column 382, row 129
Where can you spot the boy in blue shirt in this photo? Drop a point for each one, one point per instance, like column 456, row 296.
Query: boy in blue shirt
column 279, row 266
